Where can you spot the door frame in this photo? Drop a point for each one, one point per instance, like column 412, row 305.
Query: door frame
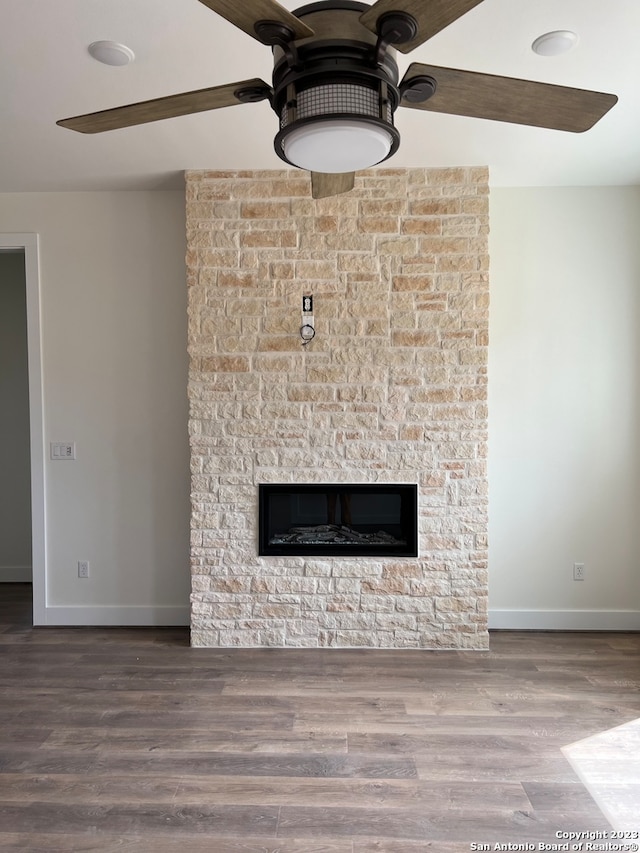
column 29, row 244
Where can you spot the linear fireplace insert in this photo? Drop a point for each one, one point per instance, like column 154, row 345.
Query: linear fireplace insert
column 338, row 520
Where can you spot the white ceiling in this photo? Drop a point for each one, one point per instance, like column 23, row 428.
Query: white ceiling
column 46, row 74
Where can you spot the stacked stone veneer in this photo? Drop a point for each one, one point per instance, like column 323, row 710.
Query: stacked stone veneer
column 392, row 389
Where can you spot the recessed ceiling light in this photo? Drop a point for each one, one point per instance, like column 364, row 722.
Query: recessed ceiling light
column 554, row 43
column 111, row 53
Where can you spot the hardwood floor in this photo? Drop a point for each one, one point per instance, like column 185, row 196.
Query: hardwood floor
column 129, row 740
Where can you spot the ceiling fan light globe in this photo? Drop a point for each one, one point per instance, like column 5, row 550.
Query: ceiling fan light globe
column 337, row 146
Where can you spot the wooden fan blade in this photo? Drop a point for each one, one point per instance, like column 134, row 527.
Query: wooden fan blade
column 430, row 15
column 324, row 184
column 468, row 93
column 246, row 13
column 159, row 108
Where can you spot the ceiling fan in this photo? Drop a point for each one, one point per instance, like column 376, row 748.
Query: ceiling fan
column 335, row 85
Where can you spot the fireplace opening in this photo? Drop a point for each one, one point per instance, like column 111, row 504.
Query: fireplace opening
column 338, row 520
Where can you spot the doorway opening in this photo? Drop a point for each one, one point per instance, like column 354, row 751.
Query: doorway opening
column 22, row 553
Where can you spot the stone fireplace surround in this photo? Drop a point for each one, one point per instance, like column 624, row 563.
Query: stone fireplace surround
column 392, row 389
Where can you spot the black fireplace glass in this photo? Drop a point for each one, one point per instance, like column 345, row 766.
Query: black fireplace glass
column 338, row 520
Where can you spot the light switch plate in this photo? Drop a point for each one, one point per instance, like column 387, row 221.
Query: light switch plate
column 63, row 450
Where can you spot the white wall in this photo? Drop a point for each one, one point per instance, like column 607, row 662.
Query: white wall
column 564, row 380
column 564, row 404
column 113, row 318
column 15, row 492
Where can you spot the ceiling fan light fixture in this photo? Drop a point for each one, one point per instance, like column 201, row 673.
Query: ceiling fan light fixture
column 342, row 145
column 111, row 53
column 336, row 126
column 555, row 43
column 335, row 94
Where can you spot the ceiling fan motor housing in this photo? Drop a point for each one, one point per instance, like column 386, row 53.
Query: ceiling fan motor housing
column 333, row 76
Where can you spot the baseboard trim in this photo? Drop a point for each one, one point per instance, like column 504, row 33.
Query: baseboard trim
column 513, row 620
column 564, row 620
column 16, row 574
column 129, row 616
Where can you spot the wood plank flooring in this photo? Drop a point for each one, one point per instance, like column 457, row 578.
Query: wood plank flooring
column 129, row 740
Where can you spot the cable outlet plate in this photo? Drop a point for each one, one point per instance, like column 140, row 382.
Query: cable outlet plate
column 578, row 571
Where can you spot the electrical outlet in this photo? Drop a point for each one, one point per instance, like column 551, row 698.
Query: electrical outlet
column 578, row 571
column 83, row 568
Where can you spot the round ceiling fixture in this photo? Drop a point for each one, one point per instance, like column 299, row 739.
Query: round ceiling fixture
column 555, row 43
column 111, row 53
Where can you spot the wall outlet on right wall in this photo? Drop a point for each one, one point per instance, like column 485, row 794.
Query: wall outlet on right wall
column 578, row 571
